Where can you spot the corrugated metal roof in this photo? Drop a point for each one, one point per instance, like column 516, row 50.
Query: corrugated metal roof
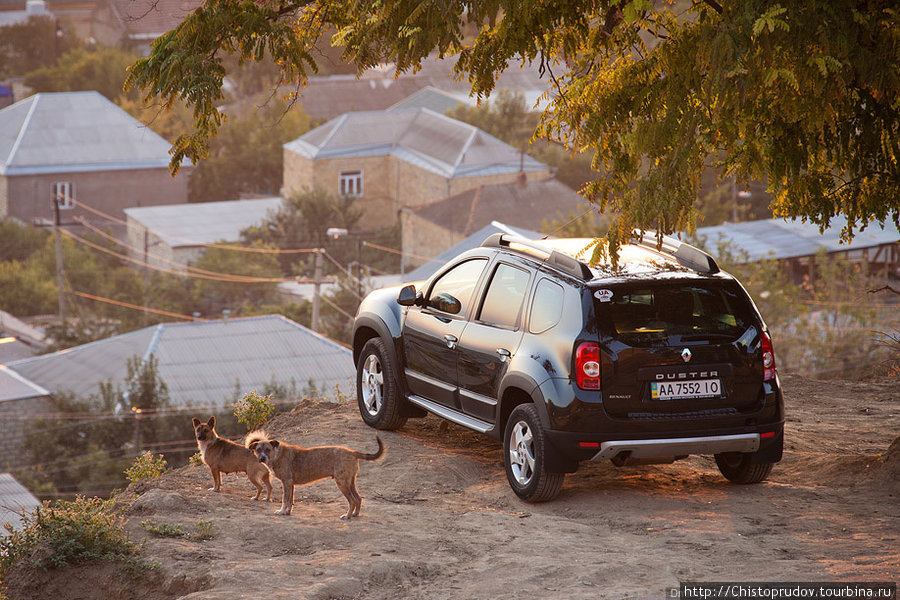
column 473, row 241
column 782, row 239
column 434, row 99
column 203, row 362
column 432, row 141
column 75, row 131
column 15, row 387
column 14, row 499
column 180, row 225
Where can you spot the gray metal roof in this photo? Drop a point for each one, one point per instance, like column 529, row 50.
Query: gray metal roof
column 14, row 499
column 783, row 239
column 420, row 136
column 182, row 225
column 435, row 99
column 202, row 362
column 473, row 241
column 15, row 387
column 75, row 131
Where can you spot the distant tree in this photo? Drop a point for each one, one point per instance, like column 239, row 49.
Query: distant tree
column 100, row 69
column 802, row 95
column 18, row 241
column 35, row 43
column 253, row 283
column 247, row 157
column 167, row 122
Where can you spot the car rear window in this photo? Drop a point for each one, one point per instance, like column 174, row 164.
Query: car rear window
column 642, row 314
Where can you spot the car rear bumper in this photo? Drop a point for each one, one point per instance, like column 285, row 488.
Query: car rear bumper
column 710, row 444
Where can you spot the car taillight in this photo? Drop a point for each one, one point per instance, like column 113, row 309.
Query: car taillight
column 768, row 357
column 587, row 366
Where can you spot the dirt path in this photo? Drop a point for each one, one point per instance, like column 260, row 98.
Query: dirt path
column 440, row 522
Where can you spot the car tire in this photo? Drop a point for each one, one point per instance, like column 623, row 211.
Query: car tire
column 738, row 467
column 525, row 456
column 377, row 391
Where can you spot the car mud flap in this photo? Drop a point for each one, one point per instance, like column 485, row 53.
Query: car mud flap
column 558, row 461
column 771, row 450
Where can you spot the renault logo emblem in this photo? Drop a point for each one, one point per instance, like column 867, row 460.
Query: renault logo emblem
column 686, row 355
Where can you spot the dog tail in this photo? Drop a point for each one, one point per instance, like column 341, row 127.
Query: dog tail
column 375, row 455
column 255, row 436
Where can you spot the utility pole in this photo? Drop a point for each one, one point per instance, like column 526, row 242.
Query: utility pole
column 60, row 278
column 316, row 290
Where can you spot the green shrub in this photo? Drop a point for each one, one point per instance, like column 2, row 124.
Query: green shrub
column 253, row 409
column 146, row 466
column 66, row 533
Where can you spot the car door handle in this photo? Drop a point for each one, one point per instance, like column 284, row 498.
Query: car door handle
column 451, row 341
column 504, row 354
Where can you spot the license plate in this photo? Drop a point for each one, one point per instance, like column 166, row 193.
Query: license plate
column 679, row 390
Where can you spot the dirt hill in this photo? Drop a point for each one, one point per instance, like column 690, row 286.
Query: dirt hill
column 440, row 522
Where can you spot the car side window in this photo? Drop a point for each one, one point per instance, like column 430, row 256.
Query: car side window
column 503, row 301
column 459, row 282
column 546, row 308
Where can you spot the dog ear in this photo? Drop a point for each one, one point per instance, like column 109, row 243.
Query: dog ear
column 274, row 443
column 252, row 446
column 195, row 421
column 212, row 422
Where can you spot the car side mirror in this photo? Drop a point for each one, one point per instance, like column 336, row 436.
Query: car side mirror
column 408, row 296
column 444, row 302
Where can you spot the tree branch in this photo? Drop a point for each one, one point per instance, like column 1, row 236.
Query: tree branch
column 713, row 5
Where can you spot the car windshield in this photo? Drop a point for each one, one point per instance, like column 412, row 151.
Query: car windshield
column 644, row 314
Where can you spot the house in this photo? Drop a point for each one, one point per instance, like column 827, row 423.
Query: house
column 327, row 97
column 203, row 363
column 84, row 152
column 15, row 500
column 405, row 158
column 172, row 236
column 430, row 229
column 136, row 23
column 21, row 400
column 73, row 16
column 796, row 244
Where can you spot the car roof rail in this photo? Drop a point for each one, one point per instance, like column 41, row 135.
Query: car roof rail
column 555, row 258
column 687, row 256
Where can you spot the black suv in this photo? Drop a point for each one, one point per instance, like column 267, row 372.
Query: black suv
column 566, row 361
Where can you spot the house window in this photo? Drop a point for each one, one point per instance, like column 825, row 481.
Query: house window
column 64, row 194
column 351, row 183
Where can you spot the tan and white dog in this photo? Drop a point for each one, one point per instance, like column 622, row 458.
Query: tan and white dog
column 296, row 465
column 224, row 456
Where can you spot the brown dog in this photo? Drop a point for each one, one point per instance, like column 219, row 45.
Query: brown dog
column 224, row 456
column 295, row 465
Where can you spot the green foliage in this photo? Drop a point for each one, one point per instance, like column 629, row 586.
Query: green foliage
column 100, row 69
column 18, row 242
column 253, row 409
column 67, row 533
column 247, row 157
column 251, row 280
column 802, row 95
column 31, row 45
column 146, row 466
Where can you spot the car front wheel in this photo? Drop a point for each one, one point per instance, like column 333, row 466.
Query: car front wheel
column 525, row 449
column 377, row 392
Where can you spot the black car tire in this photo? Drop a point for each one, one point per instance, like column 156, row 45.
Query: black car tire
column 525, row 449
column 738, row 467
column 377, row 392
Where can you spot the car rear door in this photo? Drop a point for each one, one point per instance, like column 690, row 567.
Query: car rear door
column 491, row 339
column 679, row 348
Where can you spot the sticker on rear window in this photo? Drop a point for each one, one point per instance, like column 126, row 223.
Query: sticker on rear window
column 603, row 295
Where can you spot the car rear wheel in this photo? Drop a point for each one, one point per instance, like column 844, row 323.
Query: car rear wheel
column 377, row 392
column 525, row 449
column 738, row 467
